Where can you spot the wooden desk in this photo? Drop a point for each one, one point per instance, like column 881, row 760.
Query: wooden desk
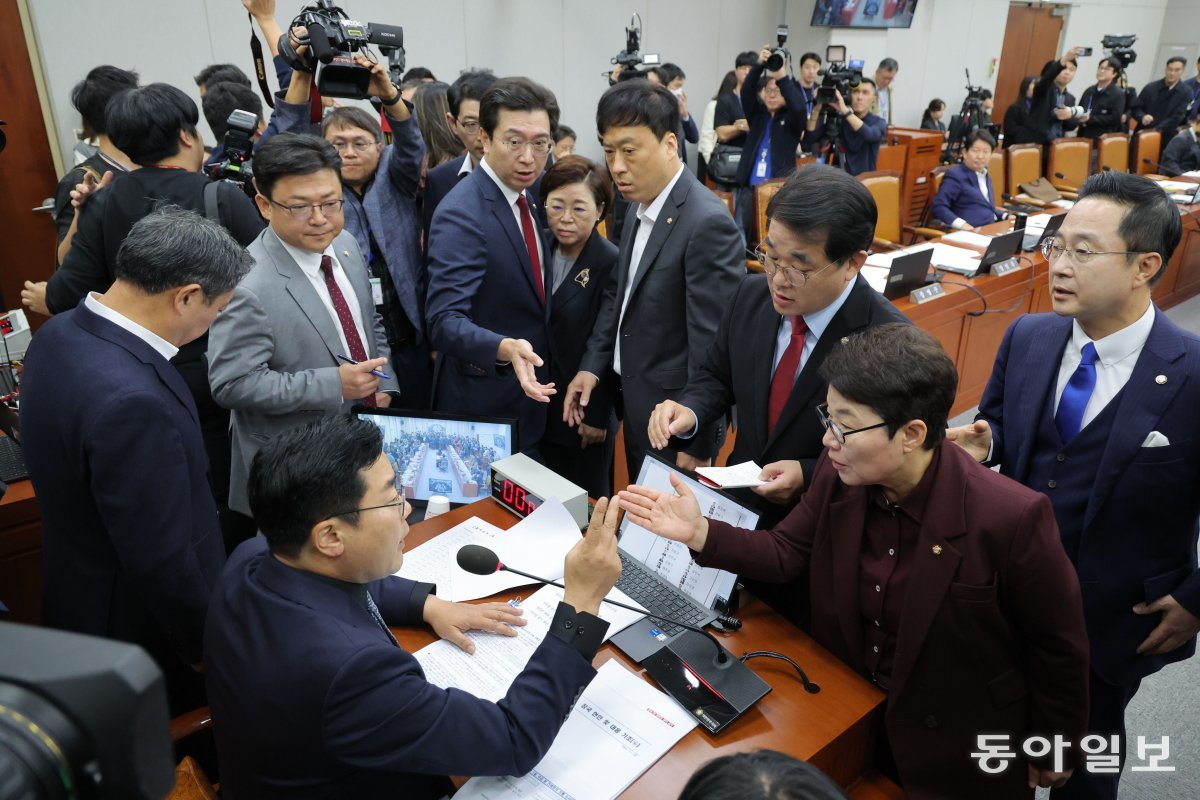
column 834, row 729
column 21, row 554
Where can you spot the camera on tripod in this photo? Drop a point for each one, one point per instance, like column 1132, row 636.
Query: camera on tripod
column 840, row 76
column 238, row 146
column 779, row 55
column 1120, row 49
column 631, row 57
column 333, row 39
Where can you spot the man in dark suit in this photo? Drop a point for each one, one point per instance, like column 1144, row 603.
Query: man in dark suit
column 932, row 576
column 312, row 697
column 966, row 199
column 1051, row 109
column 1163, row 104
column 488, row 307
column 131, row 542
column 1103, row 102
column 680, row 262
column 821, row 223
column 1182, row 153
column 1094, row 405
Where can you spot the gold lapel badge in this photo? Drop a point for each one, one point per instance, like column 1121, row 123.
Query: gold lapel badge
column 937, row 549
column 583, row 277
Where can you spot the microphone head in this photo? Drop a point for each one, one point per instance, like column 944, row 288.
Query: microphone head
column 1060, row 176
column 478, row 560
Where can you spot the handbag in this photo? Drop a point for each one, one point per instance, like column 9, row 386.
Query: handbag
column 723, row 166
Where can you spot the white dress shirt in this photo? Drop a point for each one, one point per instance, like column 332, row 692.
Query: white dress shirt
column 310, row 264
column 647, row 215
column 1116, row 355
column 466, row 167
column 511, row 196
column 161, row 345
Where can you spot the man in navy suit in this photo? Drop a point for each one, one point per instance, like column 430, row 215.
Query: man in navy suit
column 131, row 542
column 488, row 303
column 966, row 199
column 1095, row 407
column 312, row 697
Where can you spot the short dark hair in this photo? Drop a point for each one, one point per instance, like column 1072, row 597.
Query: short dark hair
column 821, row 201
column 172, row 247
column 870, row 83
column 810, row 56
column 979, row 135
column 222, row 99
column 638, row 104
column 515, row 94
column 1177, row 60
column 890, row 64
column 760, row 775
column 144, row 123
column 564, row 132
column 287, row 154
column 470, row 85
column 1151, row 221
column 898, row 371
column 418, row 73
column 668, row 72
column 309, row 473
column 1113, row 64
column 220, row 73
column 91, row 95
column 577, row 169
column 746, row 58
column 985, row 94
column 351, row 117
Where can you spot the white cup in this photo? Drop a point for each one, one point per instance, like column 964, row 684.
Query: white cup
column 436, row 505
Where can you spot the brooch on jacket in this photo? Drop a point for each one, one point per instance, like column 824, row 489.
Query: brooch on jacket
column 583, row 276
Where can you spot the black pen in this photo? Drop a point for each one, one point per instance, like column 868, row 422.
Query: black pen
column 374, row 372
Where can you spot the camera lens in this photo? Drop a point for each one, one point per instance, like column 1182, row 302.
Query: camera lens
column 775, row 61
column 37, row 746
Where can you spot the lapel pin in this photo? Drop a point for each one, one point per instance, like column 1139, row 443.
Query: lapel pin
column 583, row 277
column 937, row 549
column 346, row 253
column 670, row 220
column 845, row 339
column 1160, row 380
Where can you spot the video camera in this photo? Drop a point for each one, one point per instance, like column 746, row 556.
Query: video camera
column 840, row 76
column 238, row 145
column 974, row 100
column 1120, row 49
column 779, row 55
column 631, row 58
column 333, row 39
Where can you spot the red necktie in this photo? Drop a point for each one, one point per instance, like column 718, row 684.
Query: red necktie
column 353, row 341
column 785, row 373
column 531, row 244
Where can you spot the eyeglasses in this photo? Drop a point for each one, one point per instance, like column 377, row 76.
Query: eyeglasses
column 559, row 210
column 470, row 126
column 836, row 430
column 401, row 502
column 790, row 274
column 358, row 145
column 539, row 146
column 305, row 211
column 1052, row 249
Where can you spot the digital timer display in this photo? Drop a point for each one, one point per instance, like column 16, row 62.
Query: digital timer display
column 514, row 496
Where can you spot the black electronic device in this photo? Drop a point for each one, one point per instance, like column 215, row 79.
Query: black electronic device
column 909, row 271
column 839, row 76
column 779, row 55
column 1120, row 49
column 333, row 40
column 1031, row 240
column 1084, row 51
column 238, row 145
column 1000, row 250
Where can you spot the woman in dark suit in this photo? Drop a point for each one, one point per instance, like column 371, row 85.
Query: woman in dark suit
column 939, row 580
column 575, row 194
column 1018, row 112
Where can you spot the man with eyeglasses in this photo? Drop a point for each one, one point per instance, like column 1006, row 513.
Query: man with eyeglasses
column 1095, row 406
column 379, row 193
column 777, row 330
column 311, row 695
column 490, row 269
column 302, row 336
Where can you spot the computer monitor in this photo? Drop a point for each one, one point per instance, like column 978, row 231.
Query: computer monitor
column 443, row 454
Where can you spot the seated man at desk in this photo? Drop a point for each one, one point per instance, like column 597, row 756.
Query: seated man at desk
column 311, row 696
column 966, row 199
column 1182, row 153
column 936, row 578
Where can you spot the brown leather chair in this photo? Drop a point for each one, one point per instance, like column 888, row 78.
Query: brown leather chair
column 726, row 198
column 1024, row 166
column 1070, row 157
column 763, row 193
column 191, row 782
column 1112, row 151
column 996, row 172
column 884, row 186
column 927, row 228
column 1147, row 147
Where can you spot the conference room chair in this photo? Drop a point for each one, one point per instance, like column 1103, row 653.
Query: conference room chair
column 191, row 782
column 726, row 198
column 927, row 227
column 996, row 172
column 1070, row 157
column 804, row 159
column 1024, row 166
column 1112, row 151
column 763, row 193
column 884, row 186
column 1147, row 147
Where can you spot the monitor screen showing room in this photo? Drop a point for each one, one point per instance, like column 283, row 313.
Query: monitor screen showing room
column 863, row 13
column 443, row 454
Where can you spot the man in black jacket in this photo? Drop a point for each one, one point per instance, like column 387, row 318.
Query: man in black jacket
column 1052, row 109
column 1182, row 154
column 1163, row 104
column 1103, row 102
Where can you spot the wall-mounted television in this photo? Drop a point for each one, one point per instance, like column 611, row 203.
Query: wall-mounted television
column 863, row 13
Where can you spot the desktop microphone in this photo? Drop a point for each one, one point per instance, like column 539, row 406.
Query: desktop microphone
column 1068, row 187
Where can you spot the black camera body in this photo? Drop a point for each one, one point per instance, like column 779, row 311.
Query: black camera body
column 333, row 40
column 238, row 145
column 631, row 57
column 1120, row 49
column 779, row 54
column 842, row 77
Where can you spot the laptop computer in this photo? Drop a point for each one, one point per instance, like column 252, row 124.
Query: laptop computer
column 1033, row 238
column 1001, row 248
column 442, row 454
column 661, row 576
column 909, row 271
column 1186, row 198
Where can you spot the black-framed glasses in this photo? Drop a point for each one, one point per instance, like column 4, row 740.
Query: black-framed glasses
column 305, row 211
column 836, row 430
column 1052, row 249
column 792, row 275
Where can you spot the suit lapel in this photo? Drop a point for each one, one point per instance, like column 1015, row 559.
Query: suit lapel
column 1042, row 356
column 662, row 229
column 302, row 292
column 763, row 339
column 579, row 277
column 503, row 213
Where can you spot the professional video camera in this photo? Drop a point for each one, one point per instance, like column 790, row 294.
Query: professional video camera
column 238, row 146
column 840, row 75
column 1120, row 49
column 779, row 55
column 333, row 39
column 631, row 57
column 970, row 118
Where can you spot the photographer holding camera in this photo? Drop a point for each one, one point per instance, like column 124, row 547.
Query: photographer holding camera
column 859, row 131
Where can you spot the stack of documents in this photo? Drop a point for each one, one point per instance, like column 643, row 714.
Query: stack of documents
column 738, row 476
column 968, row 238
column 945, row 256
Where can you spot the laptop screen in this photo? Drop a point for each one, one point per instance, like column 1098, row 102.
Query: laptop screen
column 672, row 560
column 444, row 454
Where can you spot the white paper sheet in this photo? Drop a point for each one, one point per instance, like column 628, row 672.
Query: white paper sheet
column 885, row 259
column 431, row 562
column 618, row 728
column 499, row 659
column 738, row 476
column 969, row 238
column 876, row 277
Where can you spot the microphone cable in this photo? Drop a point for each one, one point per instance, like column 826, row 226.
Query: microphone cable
column 809, row 686
column 939, row 277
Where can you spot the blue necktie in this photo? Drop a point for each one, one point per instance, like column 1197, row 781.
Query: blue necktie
column 374, row 609
column 1075, row 396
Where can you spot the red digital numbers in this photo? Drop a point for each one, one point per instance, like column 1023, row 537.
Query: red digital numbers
column 517, row 498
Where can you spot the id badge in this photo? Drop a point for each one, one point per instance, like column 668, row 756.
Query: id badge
column 376, row 291
column 761, row 169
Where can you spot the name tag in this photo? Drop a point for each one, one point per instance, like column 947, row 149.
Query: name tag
column 376, row 291
column 760, row 170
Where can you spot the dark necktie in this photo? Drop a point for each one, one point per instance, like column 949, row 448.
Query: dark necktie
column 1076, row 394
column 353, row 341
column 374, row 609
column 785, row 373
column 527, row 231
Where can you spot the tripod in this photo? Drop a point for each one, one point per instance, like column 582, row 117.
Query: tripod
column 830, row 146
column 968, row 119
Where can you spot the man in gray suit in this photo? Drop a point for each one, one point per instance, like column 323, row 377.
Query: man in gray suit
column 306, row 306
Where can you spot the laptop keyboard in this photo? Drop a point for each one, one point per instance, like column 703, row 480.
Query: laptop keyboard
column 12, row 461
column 658, row 597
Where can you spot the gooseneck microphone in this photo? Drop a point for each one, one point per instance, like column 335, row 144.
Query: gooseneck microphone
column 479, row 560
column 1068, row 187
